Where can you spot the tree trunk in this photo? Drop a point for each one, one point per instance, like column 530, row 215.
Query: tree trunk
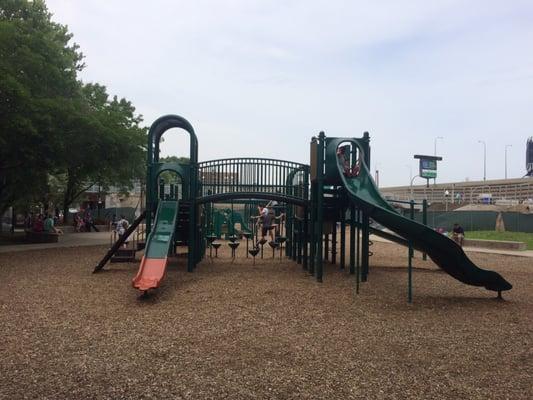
column 67, row 198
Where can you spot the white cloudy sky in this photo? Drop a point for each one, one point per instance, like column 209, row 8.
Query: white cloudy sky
column 260, row 78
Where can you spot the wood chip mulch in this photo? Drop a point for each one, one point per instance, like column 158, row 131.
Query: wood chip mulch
column 269, row 331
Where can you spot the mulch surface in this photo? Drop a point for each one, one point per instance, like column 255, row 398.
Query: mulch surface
column 237, row 331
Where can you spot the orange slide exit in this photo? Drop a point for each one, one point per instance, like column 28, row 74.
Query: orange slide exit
column 150, row 274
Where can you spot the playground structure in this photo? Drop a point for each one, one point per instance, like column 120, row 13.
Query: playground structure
column 315, row 198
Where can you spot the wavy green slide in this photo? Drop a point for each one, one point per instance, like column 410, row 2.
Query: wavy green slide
column 447, row 254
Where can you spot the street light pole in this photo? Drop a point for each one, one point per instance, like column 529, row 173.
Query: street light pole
column 435, row 145
column 484, row 159
column 506, row 146
column 435, row 154
column 410, row 171
column 411, row 185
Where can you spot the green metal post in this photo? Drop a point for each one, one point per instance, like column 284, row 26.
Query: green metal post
column 410, row 262
column 232, row 222
column 352, row 239
column 365, row 246
column 304, row 233
column 320, row 206
column 326, row 246
column 149, row 198
column 289, row 227
column 357, row 264
column 312, row 228
column 161, row 189
column 343, row 238
column 334, row 242
column 304, row 239
column 358, row 246
column 424, row 221
column 192, row 241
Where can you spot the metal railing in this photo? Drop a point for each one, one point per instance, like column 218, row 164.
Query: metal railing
column 254, row 175
column 139, row 235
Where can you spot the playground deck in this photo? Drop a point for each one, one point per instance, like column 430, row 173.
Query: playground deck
column 269, row 331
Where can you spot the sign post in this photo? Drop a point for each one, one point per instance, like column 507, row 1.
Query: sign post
column 428, row 166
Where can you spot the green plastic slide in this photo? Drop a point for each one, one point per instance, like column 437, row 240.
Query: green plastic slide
column 160, row 239
column 447, row 254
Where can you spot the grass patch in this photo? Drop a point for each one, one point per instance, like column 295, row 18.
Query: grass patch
column 508, row 236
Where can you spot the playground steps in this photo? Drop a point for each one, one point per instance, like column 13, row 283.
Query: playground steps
column 182, row 224
column 124, row 255
column 141, row 245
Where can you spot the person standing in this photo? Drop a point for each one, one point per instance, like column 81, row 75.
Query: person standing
column 121, row 226
column 89, row 222
column 266, row 222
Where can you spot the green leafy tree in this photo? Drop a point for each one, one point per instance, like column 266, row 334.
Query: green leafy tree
column 103, row 145
column 171, row 177
column 38, row 68
column 58, row 136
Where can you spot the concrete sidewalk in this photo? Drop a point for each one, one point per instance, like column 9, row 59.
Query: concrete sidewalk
column 66, row 240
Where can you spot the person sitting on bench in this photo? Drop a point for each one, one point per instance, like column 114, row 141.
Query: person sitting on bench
column 49, row 227
column 458, row 234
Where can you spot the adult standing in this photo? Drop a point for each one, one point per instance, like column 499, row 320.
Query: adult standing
column 89, row 222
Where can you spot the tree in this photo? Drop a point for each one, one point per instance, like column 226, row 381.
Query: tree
column 103, row 144
column 171, row 177
column 38, row 69
column 58, row 136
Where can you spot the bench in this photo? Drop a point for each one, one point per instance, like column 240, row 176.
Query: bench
column 495, row 244
column 41, row 237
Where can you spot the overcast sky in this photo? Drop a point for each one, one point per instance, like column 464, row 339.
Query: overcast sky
column 260, row 78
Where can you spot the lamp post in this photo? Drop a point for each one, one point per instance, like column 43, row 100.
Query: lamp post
column 410, row 171
column 435, row 152
column 506, row 146
column 435, row 145
column 411, row 185
column 484, row 159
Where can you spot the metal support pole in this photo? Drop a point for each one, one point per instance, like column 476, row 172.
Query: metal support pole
column 357, row 263
column 326, row 246
column 410, row 264
column 334, row 242
column 365, row 247
column 343, row 238
column 358, row 243
column 304, row 239
column 320, row 206
column 352, row 239
column 424, row 221
column 311, row 232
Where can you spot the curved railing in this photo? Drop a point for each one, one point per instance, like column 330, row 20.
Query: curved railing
column 249, row 176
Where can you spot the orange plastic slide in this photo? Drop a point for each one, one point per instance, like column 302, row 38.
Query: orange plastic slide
column 150, row 274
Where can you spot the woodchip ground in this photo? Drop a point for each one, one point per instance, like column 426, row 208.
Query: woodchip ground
column 237, row 331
